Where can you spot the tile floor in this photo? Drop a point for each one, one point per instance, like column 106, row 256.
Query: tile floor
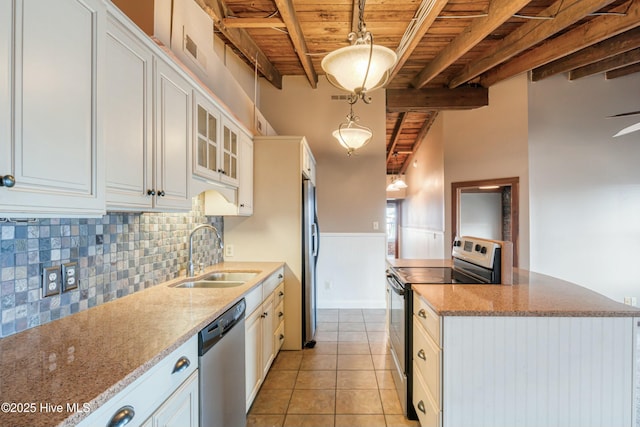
column 345, row 380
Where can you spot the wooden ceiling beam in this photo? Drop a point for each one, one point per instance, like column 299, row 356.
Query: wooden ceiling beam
column 216, row 9
column 253, row 23
column 426, row 100
column 592, row 32
column 621, row 72
column 564, row 13
column 434, row 7
column 396, row 135
column 499, row 12
column 288, row 14
column 613, row 63
column 610, row 47
column 421, row 137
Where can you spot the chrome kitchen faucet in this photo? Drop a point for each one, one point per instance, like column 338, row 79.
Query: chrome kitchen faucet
column 200, row 227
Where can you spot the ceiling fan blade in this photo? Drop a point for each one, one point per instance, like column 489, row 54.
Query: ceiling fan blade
column 628, row 129
column 630, row 113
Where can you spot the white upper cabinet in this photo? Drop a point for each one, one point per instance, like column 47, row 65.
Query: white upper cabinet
column 216, row 143
column 245, row 179
column 308, row 164
column 128, row 119
column 53, row 146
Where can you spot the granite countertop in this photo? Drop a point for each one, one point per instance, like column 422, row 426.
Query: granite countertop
column 90, row 356
column 532, row 294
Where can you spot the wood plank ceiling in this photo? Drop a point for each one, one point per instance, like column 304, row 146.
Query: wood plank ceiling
column 449, row 51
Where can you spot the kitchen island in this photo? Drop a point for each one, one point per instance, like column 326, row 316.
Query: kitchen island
column 542, row 351
column 59, row 373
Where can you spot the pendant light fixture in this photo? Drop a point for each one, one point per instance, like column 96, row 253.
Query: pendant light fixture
column 361, row 67
column 397, row 183
column 351, row 135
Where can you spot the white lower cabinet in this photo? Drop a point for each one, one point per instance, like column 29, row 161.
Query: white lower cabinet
column 165, row 395
column 264, row 331
column 511, row 371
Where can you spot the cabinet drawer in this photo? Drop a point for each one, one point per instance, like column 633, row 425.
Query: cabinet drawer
column 272, row 282
column 148, row 392
column 428, row 413
column 253, row 299
column 278, row 337
column 427, row 357
column 278, row 315
column 427, row 317
column 279, row 293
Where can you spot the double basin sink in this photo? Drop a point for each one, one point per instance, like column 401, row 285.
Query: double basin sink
column 220, row 279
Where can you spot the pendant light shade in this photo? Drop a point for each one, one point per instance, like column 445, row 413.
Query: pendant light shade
column 351, row 135
column 359, row 68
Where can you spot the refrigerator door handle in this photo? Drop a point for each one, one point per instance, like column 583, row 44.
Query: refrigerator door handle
column 314, row 239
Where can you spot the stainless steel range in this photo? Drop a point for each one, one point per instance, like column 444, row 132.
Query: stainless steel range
column 475, row 261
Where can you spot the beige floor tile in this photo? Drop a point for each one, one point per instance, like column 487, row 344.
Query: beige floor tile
column 390, row 402
column 318, row 362
column 309, row 420
column 271, row 402
column 357, row 380
column 352, row 336
column 287, row 361
column 400, row 421
column 322, row 347
column 360, row 421
column 280, row 380
column 354, row 348
column 350, row 311
column 312, row 402
column 385, row 380
column 327, row 326
column 351, row 327
column 358, row 402
column 377, row 318
column 376, row 326
column 379, row 348
column 316, row 380
column 328, row 312
column 326, row 336
column 348, row 317
column 358, row 362
column 265, row 420
column 374, row 312
column 377, row 336
column 382, row 361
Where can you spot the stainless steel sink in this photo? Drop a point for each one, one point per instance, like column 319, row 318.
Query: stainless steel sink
column 220, row 279
column 217, row 284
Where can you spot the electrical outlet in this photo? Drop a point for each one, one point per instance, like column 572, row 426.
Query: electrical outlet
column 630, row 301
column 70, row 276
column 51, row 281
column 376, row 225
column 228, row 250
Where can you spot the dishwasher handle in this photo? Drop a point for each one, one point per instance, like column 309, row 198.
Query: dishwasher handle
column 216, row 330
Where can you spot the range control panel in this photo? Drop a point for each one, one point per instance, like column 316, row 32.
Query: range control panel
column 475, row 250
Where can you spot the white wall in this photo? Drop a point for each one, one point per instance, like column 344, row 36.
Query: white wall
column 584, row 184
column 490, row 142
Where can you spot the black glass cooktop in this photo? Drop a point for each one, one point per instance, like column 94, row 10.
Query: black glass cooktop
column 415, row 275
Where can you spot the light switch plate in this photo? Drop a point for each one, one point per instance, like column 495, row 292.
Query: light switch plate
column 51, row 281
column 70, row 276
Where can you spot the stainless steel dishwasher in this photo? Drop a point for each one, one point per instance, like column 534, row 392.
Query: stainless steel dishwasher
column 221, row 363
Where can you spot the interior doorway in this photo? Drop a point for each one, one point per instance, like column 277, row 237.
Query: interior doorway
column 393, row 236
column 488, row 209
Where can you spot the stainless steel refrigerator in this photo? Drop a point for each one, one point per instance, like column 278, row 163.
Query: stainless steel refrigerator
column 310, row 249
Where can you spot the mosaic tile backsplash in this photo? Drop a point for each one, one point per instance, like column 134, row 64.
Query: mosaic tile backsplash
column 117, row 255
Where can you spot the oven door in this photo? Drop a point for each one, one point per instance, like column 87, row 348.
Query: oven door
column 397, row 334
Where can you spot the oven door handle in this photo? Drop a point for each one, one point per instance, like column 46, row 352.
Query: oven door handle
column 397, row 288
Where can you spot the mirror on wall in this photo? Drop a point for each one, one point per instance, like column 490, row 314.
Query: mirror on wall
column 487, row 209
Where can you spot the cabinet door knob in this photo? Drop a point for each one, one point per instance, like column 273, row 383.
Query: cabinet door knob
column 280, row 314
column 422, row 313
column 280, row 276
column 421, row 355
column 281, row 336
column 151, row 192
column 182, row 364
column 122, row 417
column 280, row 294
column 7, row 181
column 421, row 407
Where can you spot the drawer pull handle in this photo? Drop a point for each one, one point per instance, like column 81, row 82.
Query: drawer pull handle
column 421, row 355
column 182, row 364
column 122, row 417
column 280, row 294
column 422, row 313
column 280, row 314
column 421, row 407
